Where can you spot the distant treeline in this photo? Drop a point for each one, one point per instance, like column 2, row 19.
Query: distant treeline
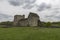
column 43, row 24
column 51, row 24
column 6, row 24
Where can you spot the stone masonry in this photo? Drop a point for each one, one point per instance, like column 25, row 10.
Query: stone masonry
column 32, row 20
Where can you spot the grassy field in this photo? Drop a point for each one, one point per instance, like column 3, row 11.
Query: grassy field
column 29, row 33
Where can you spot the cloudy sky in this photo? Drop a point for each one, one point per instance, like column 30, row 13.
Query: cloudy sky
column 48, row 10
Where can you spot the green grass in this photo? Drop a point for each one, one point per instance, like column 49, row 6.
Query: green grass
column 29, row 33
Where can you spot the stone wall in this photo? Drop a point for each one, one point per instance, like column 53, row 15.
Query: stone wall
column 32, row 20
column 23, row 22
column 17, row 18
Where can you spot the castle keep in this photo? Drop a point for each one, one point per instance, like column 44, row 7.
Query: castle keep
column 32, row 20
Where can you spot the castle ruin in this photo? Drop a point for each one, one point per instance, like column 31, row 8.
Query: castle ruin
column 32, row 20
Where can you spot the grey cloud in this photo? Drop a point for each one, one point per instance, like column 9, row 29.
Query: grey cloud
column 21, row 2
column 5, row 17
column 55, row 14
column 16, row 2
column 57, row 17
column 30, row 1
column 55, row 10
column 1, row 0
column 40, row 7
column 53, row 17
column 43, row 6
column 48, row 6
column 28, row 6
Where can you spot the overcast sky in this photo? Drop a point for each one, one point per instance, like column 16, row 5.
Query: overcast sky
column 48, row 10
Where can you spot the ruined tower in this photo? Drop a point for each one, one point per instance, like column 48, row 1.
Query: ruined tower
column 17, row 18
column 33, row 19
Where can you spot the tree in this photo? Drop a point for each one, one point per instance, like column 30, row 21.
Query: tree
column 48, row 24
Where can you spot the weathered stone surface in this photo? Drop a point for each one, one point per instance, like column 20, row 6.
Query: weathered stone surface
column 23, row 22
column 17, row 18
column 32, row 20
